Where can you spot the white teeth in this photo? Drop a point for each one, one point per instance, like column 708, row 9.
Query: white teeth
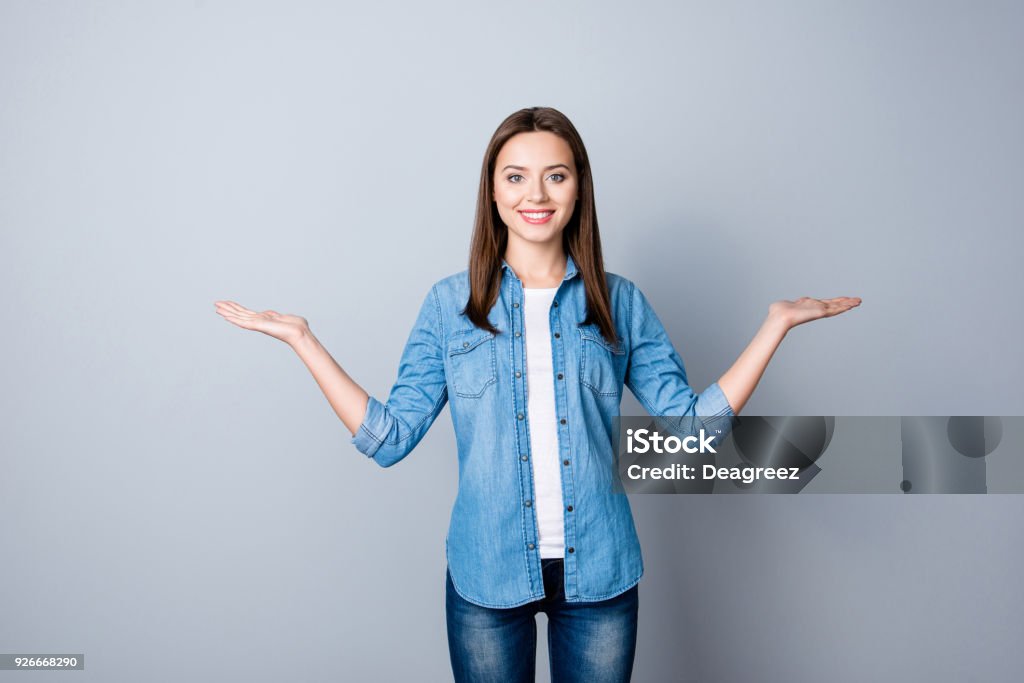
column 535, row 216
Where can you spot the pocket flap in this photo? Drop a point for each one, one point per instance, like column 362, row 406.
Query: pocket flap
column 593, row 333
column 463, row 342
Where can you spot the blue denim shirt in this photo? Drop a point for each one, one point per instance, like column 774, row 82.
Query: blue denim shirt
column 492, row 545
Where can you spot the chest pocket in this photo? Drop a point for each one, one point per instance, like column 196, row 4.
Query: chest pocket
column 600, row 362
column 472, row 361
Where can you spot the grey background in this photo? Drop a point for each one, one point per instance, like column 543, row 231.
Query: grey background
column 179, row 502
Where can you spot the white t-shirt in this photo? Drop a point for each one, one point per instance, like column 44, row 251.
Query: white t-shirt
column 540, row 404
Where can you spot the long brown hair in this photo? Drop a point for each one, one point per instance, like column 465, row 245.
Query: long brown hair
column 580, row 238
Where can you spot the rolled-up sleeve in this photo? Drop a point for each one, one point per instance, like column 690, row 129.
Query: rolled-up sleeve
column 391, row 430
column 656, row 375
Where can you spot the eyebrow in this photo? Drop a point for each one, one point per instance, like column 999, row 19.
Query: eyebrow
column 546, row 168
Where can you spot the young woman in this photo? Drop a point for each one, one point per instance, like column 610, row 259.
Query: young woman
column 532, row 345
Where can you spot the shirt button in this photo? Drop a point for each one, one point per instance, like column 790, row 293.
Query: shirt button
column 465, row 344
column 557, row 335
column 524, row 457
column 518, row 374
column 562, row 420
column 565, row 462
column 572, row 550
column 528, row 503
column 515, row 305
column 519, row 334
column 560, row 376
column 530, row 546
column 555, row 303
column 519, row 416
column 569, row 508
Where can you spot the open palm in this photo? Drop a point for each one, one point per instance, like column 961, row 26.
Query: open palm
column 285, row 327
column 805, row 309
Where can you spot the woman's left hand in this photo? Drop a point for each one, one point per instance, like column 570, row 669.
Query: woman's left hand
column 793, row 313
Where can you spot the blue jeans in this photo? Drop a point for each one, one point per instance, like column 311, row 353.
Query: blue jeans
column 587, row 641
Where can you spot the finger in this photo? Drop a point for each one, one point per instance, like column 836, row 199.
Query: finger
column 231, row 314
column 843, row 307
column 241, row 310
column 840, row 304
column 240, row 322
column 230, row 306
column 837, row 306
column 247, row 323
column 237, row 308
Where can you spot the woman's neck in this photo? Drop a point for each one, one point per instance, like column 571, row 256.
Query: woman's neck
column 537, row 269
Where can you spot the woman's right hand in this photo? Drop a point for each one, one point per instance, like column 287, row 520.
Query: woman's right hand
column 287, row 328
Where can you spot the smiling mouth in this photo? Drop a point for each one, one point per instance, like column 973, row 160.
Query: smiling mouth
column 536, row 216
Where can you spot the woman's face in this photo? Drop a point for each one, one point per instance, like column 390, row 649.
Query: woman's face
column 535, row 186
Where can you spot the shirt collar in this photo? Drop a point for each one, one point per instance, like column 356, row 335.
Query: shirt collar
column 570, row 268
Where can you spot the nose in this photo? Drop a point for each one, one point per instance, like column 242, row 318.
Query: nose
column 537, row 191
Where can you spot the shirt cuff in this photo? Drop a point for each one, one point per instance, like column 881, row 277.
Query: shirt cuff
column 713, row 403
column 715, row 412
column 374, row 423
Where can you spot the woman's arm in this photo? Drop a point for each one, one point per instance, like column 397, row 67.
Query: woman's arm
column 388, row 431
column 347, row 398
column 739, row 381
